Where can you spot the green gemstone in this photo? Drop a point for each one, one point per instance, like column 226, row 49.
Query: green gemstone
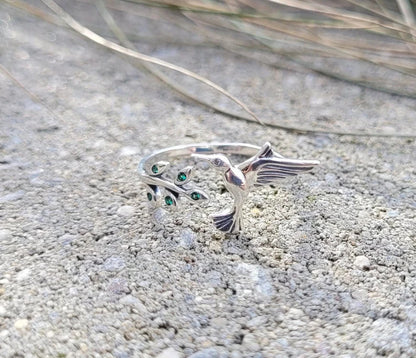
column 155, row 169
column 195, row 196
column 181, row 176
column 149, row 196
column 168, row 200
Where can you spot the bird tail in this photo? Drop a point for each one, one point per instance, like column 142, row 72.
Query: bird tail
column 229, row 222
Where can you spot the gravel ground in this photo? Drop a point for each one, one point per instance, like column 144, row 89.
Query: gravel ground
column 325, row 266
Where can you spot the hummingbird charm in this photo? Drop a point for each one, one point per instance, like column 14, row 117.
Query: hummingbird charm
column 264, row 168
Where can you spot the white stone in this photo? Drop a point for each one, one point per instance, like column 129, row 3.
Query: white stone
column 126, row 211
column 5, row 234
column 236, row 354
column 83, row 347
column 126, row 151
column 130, row 300
column 159, row 216
column 73, row 291
column 187, row 240
column 219, row 322
column 254, row 278
column 392, row 213
column 2, row 310
column 257, row 321
column 12, row 196
column 295, row 313
column 23, row 275
column 250, row 343
column 330, row 178
column 21, row 324
column 114, row 264
column 169, row 353
column 362, row 262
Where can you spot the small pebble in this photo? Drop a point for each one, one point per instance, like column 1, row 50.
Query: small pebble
column 114, row 264
column 23, row 275
column 236, row 354
column 169, row 353
column 295, row 313
column 126, row 151
column 362, row 262
column 12, row 196
column 126, row 211
column 219, row 322
column 5, row 234
column 250, row 343
column 83, row 347
column 118, row 286
column 330, row 178
column 255, row 212
column 21, row 324
column 130, row 300
column 159, row 216
column 392, row 213
column 187, row 240
column 257, row 278
column 257, row 321
column 207, row 353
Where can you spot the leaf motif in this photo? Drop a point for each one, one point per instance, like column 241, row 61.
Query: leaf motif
column 158, row 168
column 153, row 193
column 171, row 198
column 183, row 176
column 197, row 195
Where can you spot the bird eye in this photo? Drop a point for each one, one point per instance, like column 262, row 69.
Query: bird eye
column 217, row 162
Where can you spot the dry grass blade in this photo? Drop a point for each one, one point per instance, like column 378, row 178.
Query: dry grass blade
column 269, row 31
column 84, row 31
column 33, row 10
column 153, row 70
column 371, row 31
column 406, row 10
column 126, row 42
column 32, row 96
column 408, row 15
column 332, row 14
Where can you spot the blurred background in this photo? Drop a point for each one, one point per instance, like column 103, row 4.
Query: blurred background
column 367, row 43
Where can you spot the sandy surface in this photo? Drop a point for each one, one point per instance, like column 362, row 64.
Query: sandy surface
column 325, row 266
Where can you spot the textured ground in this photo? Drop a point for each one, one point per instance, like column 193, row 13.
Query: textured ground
column 326, row 265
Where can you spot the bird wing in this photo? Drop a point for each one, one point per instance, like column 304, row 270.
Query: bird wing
column 266, row 171
column 265, row 151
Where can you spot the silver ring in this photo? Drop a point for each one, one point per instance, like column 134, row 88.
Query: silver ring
column 263, row 167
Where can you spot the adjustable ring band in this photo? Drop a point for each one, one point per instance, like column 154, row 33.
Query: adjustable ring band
column 263, row 167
